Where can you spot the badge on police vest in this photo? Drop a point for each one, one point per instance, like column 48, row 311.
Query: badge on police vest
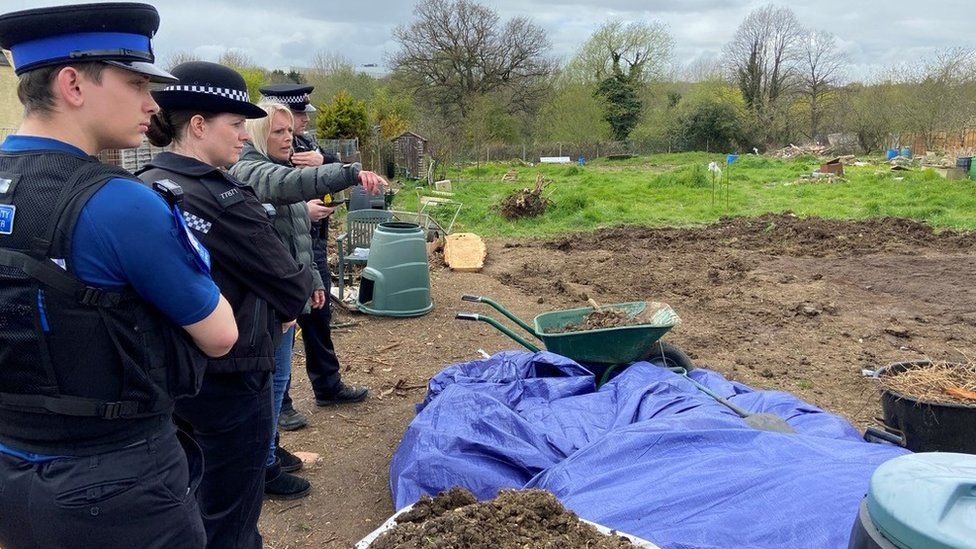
column 201, row 256
column 7, row 212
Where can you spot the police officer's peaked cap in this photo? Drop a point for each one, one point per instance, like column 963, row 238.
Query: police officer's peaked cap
column 293, row 95
column 115, row 33
column 208, row 87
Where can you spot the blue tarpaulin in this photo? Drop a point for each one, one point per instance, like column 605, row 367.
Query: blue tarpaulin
column 647, row 453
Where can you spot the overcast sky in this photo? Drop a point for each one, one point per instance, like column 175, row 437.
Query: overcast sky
column 286, row 33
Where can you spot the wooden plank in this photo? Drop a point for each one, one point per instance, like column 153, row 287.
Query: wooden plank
column 465, row 252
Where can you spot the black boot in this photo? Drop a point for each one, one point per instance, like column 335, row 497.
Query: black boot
column 281, row 485
column 289, row 461
column 344, row 394
column 291, row 420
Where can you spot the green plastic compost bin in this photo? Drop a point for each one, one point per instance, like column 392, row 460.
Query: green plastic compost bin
column 396, row 280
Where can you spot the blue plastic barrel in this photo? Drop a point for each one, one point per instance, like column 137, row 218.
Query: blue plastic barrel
column 891, row 154
column 906, row 152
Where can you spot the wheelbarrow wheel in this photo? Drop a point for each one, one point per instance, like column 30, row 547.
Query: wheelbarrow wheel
column 672, row 355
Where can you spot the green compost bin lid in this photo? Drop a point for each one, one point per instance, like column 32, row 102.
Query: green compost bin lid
column 925, row 500
column 396, row 280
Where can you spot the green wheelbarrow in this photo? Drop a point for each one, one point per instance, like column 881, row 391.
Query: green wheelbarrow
column 612, row 346
column 617, row 346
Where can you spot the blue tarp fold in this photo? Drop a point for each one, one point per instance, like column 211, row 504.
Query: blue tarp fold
column 647, row 453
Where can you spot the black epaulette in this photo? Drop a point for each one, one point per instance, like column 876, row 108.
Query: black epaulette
column 224, row 190
column 230, row 197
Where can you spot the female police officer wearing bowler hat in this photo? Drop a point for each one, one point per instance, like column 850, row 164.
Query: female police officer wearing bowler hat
column 203, row 117
column 97, row 275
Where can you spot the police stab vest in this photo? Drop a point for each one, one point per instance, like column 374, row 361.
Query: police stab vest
column 82, row 368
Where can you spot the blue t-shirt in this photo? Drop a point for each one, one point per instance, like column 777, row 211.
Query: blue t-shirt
column 126, row 236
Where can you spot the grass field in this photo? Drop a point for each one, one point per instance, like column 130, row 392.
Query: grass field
column 677, row 190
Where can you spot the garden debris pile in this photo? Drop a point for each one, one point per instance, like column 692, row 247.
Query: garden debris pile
column 513, row 520
column 526, row 202
column 938, row 383
column 806, row 150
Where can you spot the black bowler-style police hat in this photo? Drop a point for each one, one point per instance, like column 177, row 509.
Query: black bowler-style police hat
column 115, row 33
column 208, row 87
column 293, row 95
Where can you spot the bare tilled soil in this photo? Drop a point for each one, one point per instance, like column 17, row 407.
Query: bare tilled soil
column 777, row 302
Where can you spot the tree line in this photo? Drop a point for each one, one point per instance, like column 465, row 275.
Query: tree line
column 468, row 80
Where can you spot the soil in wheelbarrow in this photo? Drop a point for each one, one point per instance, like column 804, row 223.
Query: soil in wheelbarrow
column 606, row 317
column 515, row 519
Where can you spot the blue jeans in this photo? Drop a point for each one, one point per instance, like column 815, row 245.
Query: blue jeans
column 282, row 374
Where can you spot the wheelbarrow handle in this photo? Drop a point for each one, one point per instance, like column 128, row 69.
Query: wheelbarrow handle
column 502, row 310
column 499, row 327
column 872, row 434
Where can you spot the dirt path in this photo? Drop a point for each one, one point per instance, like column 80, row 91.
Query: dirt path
column 775, row 302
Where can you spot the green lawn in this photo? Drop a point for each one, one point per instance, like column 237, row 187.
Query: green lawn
column 676, row 190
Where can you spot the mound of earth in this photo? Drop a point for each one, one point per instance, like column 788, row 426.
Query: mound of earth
column 514, row 520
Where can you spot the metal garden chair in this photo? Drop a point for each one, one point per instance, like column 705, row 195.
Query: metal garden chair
column 360, row 225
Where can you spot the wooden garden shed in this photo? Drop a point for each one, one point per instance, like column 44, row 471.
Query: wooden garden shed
column 410, row 154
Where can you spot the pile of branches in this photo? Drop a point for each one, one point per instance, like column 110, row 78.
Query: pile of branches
column 526, row 202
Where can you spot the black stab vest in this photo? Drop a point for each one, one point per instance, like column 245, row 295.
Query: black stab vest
column 82, row 370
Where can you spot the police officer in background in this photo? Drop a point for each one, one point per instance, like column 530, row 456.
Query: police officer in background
column 105, row 298
column 321, row 361
column 202, row 119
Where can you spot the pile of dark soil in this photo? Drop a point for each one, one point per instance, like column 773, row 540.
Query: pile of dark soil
column 603, row 318
column 514, row 520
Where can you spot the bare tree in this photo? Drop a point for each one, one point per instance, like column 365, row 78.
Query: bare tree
column 179, row 57
column 702, row 69
column 937, row 95
column 820, row 68
column 639, row 50
column 762, row 57
column 456, row 51
column 327, row 63
column 236, row 59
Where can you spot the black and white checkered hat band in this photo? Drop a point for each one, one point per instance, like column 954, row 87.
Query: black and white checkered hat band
column 288, row 99
column 239, row 95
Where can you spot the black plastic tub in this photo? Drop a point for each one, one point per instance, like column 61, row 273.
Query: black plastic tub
column 923, row 426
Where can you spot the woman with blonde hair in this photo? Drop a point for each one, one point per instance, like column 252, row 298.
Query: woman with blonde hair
column 265, row 165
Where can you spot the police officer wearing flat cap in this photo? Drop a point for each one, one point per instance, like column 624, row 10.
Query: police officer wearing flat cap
column 106, row 299
column 202, row 118
column 321, row 361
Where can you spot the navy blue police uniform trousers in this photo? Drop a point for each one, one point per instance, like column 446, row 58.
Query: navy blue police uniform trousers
column 231, row 420
column 138, row 496
column 321, row 361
